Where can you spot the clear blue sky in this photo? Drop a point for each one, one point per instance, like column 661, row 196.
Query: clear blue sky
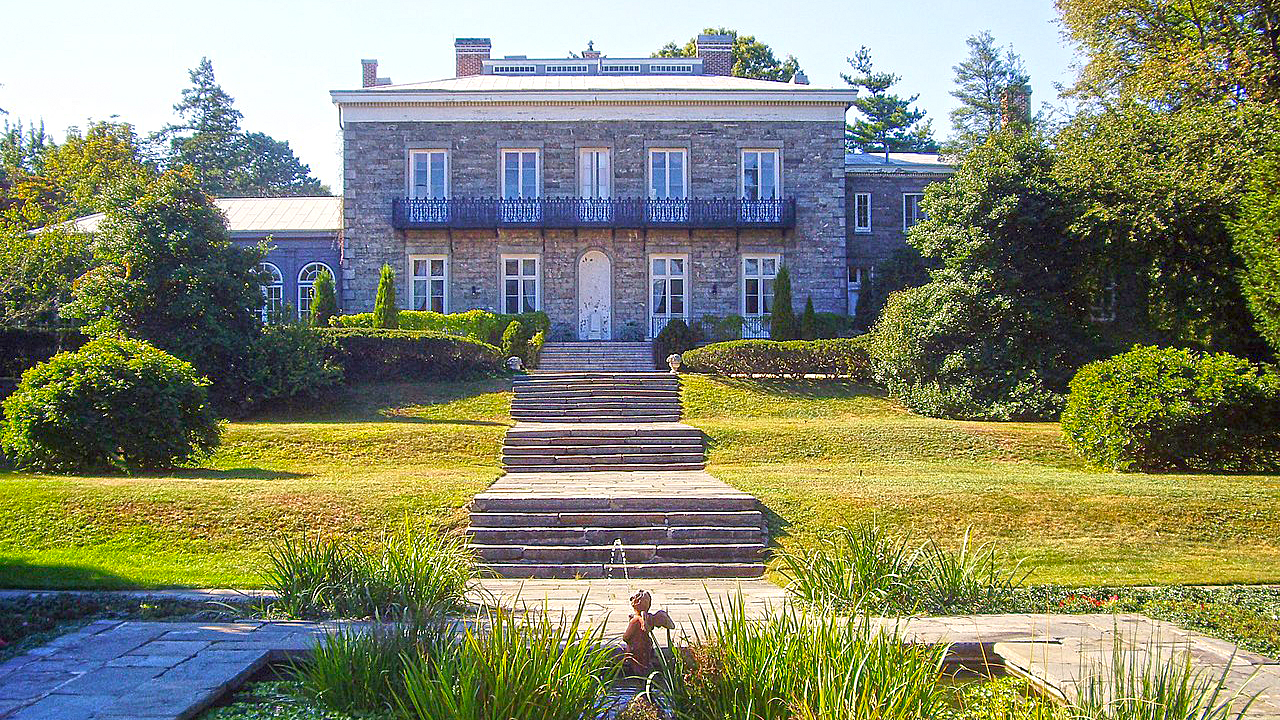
column 64, row 62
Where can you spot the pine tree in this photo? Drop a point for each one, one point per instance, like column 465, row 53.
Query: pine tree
column 888, row 122
column 386, row 314
column 325, row 303
column 981, row 80
column 782, row 324
column 809, row 322
column 208, row 138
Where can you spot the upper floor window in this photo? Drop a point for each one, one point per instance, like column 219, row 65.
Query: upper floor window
column 520, row 174
column 911, row 210
column 272, row 292
column 760, row 175
column 429, row 174
column 429, row 280
column 307, row 287
column 668, row 174
column 520, row 284
column 594, row 173
column 862, row 212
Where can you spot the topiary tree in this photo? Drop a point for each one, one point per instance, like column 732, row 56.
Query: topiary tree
column 782, row 322
column 513, row 342
column 386, row 314
column 809, row 322
column 324, row 305
column 113, row 405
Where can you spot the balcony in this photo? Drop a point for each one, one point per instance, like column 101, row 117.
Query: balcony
column 726, row 213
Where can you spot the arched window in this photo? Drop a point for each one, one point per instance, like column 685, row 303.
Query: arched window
column 272, row 291
column 307, row 287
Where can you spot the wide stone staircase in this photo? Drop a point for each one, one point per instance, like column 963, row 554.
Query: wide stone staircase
column 597, row 356
column 603, row 481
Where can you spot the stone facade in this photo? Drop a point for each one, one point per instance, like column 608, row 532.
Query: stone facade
column 868, row 249
column 376, row 166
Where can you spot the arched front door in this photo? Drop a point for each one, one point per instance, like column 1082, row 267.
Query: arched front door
column 595, row 296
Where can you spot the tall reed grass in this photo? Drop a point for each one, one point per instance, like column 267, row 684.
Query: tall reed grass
column 414, row 569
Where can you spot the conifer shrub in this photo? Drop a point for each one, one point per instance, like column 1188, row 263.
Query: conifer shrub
column 324, row 306
column 385, row 310
column 782, row 323
column 809, row 322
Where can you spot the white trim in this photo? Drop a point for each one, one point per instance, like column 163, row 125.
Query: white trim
column 410, row 185
column 742, row 286
column 502, row 172
column 586, row 111
column 685, row 296
column 919, row 196
column 277, row 281
column 684, row 152
column 607, row 174
column 409, row 273
column 777, row 170
column 862, row 229
column 502, row 279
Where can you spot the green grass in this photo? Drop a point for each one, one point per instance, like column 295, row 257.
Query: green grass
column 350, row 464
column 823, row 454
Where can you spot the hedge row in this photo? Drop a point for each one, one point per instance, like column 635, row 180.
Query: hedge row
column 26, row 347
column 368, row 354
column 843, row 357
column 479, row 325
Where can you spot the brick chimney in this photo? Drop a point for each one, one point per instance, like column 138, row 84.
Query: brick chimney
column 591, row 53
column 471, row 54
column 716, row 52
column 369, row 73
column 1015, row 106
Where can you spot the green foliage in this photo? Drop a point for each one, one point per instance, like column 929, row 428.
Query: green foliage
column 713, row 328
column 359, row 671
column 385, row 308
column 25, row 347
column 167, row 272
column 415, row 571
column 37, row 271
column 1255, row 235
column 513, row 666
column 795, row 663
column 324, row 306
column 887, row 123
column 288, row 361
column 782, row 320
column 809, row 322
column 903, row 269
column 842, row 357
column 373, row 355
column 869, row 570
column 751, row 58
column 476, row 324
column 113, row 405
column 981, row 80
column 534, row 357
column 675, row 337
column 1172, row 409
column 274, row 700
column 513, row 342
column 1004, row 698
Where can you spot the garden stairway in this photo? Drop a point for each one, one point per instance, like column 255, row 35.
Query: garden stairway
column 603, row 481
column 596, row 356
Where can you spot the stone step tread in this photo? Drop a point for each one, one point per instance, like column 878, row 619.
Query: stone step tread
column 500, row 503
column 729, row 518
column 611, row 553
column 517, row 462
column 603, row 467
column 636, row 419
column 601, row 449
column 605, row 537
column 566, row 571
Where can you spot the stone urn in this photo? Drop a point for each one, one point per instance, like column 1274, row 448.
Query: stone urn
column 673, row 361
column 515, row 364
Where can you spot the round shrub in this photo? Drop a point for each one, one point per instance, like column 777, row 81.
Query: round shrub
column 1172, row 409
column 843, row 357
column 112, row 405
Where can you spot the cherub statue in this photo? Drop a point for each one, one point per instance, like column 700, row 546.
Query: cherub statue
column 639, row 646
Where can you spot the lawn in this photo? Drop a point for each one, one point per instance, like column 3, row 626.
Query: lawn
column 823, row 454
column 819, row 454
column 350, row 463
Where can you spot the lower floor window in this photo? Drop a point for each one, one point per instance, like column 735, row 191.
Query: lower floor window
column 429, row 280
column 758, row 273
column 520, row 291
column 307, row 287
column 668, row 282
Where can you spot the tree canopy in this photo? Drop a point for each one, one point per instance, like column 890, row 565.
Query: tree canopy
column 751, row 58
column 887, row 122
column 981, row 80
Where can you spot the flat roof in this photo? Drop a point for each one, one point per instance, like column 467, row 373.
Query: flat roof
column 897, row 162
column 263, row 216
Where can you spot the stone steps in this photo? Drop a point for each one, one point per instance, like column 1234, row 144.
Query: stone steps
column 611, row 554
column 728, row 519
column 595, row 397
column 596, row 536
column 596, row 357
column 595, row 571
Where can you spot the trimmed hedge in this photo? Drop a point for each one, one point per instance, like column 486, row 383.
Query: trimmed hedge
column 1172, row 409
column 479, row 325
column 377, row 355
column 843, row 357
column 27, row 347
column 113, row 405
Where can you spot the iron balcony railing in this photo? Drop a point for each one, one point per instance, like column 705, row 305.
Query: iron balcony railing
column 592, row 212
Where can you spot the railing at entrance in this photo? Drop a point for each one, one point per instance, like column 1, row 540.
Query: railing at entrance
column 756, row 326
column 658, row 322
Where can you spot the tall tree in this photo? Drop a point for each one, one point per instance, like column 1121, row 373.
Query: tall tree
column 1256, row 234
column 272, row 170
column 751, row 58
column 981, row 81
column 888, row 123
column 1176, row 52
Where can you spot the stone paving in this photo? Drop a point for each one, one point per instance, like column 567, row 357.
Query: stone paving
column 111, row 670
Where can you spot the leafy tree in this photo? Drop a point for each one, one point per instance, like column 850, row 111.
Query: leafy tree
column 751, row 58
column 1256, row 237
column 782, row 319
column 1176, row 52
column 37, row 271
column 272, row 170
column 981, row 80
column 888, row 123
column 386, row 313
column 325, row 303
column 809, row 322
column 167, row 272
column 903, row 269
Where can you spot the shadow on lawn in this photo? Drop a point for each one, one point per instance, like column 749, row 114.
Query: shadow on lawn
column 246, row 473
column 816, row 388
column 391, row 402
column 16, row 573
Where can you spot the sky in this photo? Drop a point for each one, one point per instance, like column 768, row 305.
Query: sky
column 128, row 59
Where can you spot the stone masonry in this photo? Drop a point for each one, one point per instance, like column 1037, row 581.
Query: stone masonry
column 870, row 249
column 376, row 166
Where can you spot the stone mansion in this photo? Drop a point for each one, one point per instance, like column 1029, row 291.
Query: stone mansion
column 615, row 194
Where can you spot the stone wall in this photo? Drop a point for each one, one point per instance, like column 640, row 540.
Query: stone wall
column 376, row 161
column 869, row 249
